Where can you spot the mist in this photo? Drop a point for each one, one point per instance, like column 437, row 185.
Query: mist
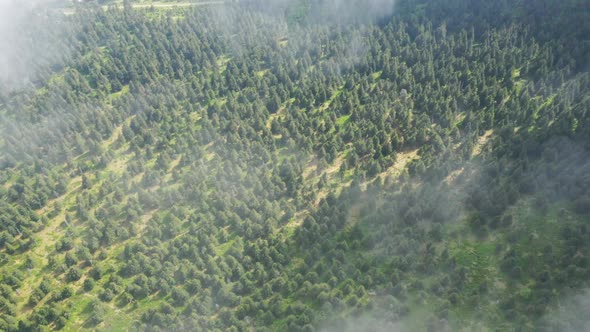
column 176, row 175
column 31, row 40
column 346, row 11
column 570, row 315
column 366, row 322
column 327, row 11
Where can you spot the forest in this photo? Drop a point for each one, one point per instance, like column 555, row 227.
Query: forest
column 295, row 165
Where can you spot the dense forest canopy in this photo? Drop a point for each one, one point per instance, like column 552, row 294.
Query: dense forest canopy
column 411, row 165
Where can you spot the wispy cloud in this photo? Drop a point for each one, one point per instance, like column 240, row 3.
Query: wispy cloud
column 25, row 45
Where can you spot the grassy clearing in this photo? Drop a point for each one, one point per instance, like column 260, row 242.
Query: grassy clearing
column 334, row 183
column 223, row 248
column 119, row 94
column 283, row 41
column 288, row 230
column 343, row 120
column 71, row 10
column 222, row 62
column 401, row 161
column 262, row 72
column 481, row 141
column 328, row 102
column 459, row 118
column 164, row 5
column 516, row 73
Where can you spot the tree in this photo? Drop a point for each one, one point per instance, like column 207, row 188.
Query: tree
column 98, row 313
column 180, row 296
column 88, row 284
column 73, row 274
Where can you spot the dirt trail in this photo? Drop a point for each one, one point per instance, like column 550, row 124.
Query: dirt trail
column 176, row 4
column 163, row 5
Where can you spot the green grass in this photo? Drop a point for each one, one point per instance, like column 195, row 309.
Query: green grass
column 223, row 248
column 343, row 120
column 117, row 95
column 262, row 72
column 516, row 73
column 328, row 102
column 222, row 62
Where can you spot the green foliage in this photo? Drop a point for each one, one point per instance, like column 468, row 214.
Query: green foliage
column 285, row 173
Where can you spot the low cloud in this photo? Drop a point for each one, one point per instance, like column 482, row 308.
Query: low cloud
column 28, row 41
column 570, row 315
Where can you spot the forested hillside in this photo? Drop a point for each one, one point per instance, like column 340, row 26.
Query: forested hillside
column 410, row 165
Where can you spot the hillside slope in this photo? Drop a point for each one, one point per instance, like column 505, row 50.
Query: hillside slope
column 428, row 169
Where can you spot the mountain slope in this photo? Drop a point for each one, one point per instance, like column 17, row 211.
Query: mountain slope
column 417, row 171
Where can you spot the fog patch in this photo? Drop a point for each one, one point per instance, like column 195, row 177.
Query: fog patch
column 346, row 11
column 365, row 323
column 570, row 314
column 29, row 41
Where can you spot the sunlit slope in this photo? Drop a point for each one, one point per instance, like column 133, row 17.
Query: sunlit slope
column 180, row 173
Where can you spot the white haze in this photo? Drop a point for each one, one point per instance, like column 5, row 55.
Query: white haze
column 571, row 314
column 21, row 56
column 21, row 53
column 342, row 11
